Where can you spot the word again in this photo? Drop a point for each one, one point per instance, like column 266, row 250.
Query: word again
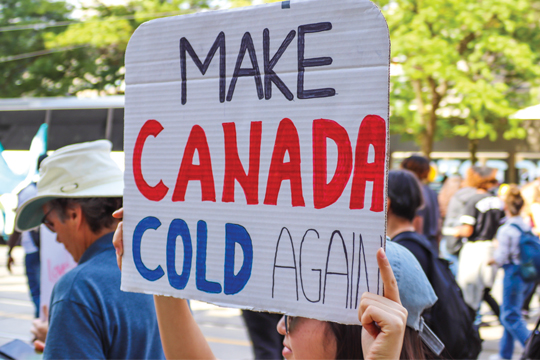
column 371, row 133
column 234, row 234
column 270, row 75
column 340, row 261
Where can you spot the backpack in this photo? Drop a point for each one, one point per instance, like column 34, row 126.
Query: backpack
column 532, row 345
column 450, row 318
column 529, row 255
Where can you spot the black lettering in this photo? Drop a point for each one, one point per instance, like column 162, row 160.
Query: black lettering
column 361, row 254
column 303, row 63
column 287, row 266
column 270, row 75
column 247, row 43
column 314, row 270
column 352, row 270
column 326, row 273
column 186, row 46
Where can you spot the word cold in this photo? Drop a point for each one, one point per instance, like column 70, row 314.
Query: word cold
column 234, row 234
column 371, row 134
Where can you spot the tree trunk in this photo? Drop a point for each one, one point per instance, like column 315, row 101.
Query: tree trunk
column 473, row 148
column 511, row 177
column 426, row 146
column 428, row 115
column 425, row 140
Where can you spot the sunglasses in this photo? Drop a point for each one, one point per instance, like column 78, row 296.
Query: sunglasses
column 47, row 222
column 289, row 321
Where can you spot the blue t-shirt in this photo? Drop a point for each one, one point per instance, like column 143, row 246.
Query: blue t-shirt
column 90, row 318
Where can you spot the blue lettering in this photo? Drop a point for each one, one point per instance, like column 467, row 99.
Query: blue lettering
column 178, row 228
column 237, row 234
column 149, row 222
column 200, row 271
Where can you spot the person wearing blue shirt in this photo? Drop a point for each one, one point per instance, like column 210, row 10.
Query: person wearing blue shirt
column 79, row 188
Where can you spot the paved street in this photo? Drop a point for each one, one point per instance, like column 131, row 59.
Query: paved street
column 222, row 327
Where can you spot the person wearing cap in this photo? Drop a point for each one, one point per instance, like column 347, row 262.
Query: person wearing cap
column 79, row 188
column 392, row 325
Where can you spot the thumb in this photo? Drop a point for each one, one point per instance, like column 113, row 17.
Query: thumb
column 39, row 346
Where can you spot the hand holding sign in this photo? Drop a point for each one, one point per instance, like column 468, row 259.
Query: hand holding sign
column 383, row 318
column 118, row 240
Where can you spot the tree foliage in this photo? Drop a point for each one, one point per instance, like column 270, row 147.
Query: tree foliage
column 80, row 54
column 39, row 75
column 464, row 66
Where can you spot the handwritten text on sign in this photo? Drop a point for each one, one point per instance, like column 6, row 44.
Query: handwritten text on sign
column 273, row 194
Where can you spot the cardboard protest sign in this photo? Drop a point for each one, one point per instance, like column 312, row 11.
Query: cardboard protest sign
column 256, row 157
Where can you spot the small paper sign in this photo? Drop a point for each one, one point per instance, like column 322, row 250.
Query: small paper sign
column 256, row 157
column 55, row 262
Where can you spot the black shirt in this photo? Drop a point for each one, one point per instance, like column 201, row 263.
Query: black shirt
column 484, row 212
column 419, row 252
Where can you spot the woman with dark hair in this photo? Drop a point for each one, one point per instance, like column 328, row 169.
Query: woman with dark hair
column 404, row 199
column 514, row 287
column 389, row 330
column 428, row 220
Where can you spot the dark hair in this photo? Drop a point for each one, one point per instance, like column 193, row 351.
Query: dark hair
column 418, row 164
column 97, row 211
column 405, row 193
column 348, row 340
column 481, row 177
column 349, row 343
column 513, row 200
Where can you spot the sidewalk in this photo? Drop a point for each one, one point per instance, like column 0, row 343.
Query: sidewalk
column 223, row 328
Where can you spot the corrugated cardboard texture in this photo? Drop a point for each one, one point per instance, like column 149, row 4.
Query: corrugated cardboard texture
column 312, row 255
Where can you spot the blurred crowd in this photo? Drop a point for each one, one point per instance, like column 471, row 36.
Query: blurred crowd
column 476, row 224
column 442, row 258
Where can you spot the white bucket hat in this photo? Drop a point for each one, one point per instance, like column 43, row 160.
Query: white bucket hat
column 74, row 171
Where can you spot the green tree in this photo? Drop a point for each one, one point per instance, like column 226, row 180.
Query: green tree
column 464, row 66
column 21, row 69
column 63, row 56
column 45, row 52
column 105, row 36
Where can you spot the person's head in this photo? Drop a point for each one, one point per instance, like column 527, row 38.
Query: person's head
column 79, row 222
column 313, row 339
column 418, row 164
column 481, row 177
column 513, row 200
column 78, row 189
column 404, row 194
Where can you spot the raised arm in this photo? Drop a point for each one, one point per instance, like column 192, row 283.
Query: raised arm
column 383, row 318
column 181, row 337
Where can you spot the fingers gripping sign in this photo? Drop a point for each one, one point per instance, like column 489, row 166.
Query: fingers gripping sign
column 118, row 237
column 383, row 317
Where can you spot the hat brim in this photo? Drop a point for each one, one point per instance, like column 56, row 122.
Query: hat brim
column 30, row 213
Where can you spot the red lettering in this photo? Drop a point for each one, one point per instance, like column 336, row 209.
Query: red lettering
column 189, row 171
column 372, row 132
column 233, row 167
column 286, row 141
column 153, row 193
column 326, row 194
